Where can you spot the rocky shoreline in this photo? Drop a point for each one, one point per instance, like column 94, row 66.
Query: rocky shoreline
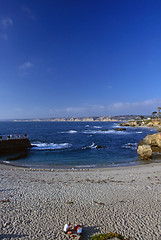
column 151, row 144
column 156, row 123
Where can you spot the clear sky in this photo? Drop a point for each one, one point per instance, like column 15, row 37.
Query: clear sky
column 64, row 58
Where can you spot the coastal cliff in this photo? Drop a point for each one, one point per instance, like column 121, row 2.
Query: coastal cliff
column 72, row 119
column 121, row 118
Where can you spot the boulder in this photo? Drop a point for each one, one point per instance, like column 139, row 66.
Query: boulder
column 158, row 141
column 150, row 144
column 98, row 146
column 144, row 151
column 153, row 140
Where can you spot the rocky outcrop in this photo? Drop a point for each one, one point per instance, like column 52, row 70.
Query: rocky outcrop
column 150, row 144
column 10, row 145
column 129, row 124
column 156, row 123
column 120, row 129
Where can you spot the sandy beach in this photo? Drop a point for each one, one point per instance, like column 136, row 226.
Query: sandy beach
column 35, row 204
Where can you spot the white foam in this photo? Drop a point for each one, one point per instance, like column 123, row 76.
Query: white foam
column 70, row 131
column 86, row 166
column 104, row 132
column 92, row 146
column 95, row 132
column 132, row 146
column 50, row 146
column 97, row 127
column 116, row 125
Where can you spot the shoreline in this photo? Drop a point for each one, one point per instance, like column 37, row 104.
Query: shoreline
column 35, row 204
column 6, row 166
column 78, row 168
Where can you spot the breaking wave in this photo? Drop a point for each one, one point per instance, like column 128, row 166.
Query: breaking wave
column 132, row 146
column 51, row 146
column 86, row 166
column 70, row 131
column 104, row 132
column 94, row 146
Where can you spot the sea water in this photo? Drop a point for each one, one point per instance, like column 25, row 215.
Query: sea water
column 75, row 144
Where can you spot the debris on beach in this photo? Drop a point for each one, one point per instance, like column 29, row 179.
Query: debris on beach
column 69, row 202
column 5, row 201
column 100, row 203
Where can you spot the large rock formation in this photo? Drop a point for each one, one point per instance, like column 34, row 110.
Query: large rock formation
column 150, row 144
column 144, row 151
column 156, row 123
column 9, row 145
column 129, row 124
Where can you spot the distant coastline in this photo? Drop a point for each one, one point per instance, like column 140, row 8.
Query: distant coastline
column 82, row 119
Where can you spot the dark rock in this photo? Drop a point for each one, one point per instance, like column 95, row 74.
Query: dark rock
column 120, row 129
column 98, row 146
column 8, row 145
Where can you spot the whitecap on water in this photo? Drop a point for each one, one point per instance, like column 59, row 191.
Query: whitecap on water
column 50, row 146
column 70, row 131
column 95, row 132
column 116, row 125
column 104, row 132
column 132, row 146
column 94, row 146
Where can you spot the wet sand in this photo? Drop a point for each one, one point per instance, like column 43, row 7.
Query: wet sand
column 35, row 204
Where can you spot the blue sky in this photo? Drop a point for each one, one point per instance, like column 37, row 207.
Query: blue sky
column 63, row 58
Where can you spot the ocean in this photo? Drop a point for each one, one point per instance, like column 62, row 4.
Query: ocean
column 75, row 144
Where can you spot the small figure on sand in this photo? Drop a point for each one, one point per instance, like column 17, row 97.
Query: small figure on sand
column 76, row 231
column 67, row 228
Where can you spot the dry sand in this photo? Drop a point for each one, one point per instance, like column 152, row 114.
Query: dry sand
column 35, row 204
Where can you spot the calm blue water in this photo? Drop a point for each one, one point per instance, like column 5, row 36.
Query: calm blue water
column 72, row 144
